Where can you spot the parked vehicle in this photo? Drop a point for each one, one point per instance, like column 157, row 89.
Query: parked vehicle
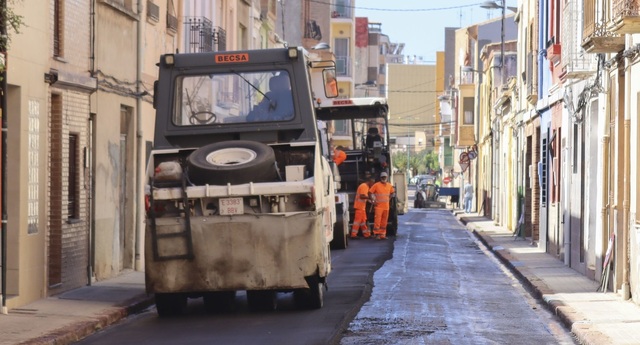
column 240, row 192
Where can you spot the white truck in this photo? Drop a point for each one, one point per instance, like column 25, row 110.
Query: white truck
column 240, row 191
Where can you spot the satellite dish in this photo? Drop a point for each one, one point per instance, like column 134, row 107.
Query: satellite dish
column 321, row 45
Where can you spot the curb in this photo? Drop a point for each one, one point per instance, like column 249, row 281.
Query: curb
column 75, row 332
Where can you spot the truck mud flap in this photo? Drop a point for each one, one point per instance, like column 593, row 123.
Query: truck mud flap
column 185, row 234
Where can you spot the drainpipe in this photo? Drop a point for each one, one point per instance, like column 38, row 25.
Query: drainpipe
column 627, row 178
column 139, row 140
column 92, row 208
column 3, row 172
column 604, row 190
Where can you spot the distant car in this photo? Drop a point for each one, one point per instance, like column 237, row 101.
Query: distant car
column 416, row 179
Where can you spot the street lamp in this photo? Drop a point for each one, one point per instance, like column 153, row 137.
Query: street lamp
column 503, row 7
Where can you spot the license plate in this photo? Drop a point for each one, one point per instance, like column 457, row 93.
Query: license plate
column 231, row 206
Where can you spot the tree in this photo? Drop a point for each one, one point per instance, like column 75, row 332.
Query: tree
column 9, row 22
column 419, row 163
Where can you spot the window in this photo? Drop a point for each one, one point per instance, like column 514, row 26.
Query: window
column 58, row 28
column 153, row 12
column 342, row 9
column 342, row 56
column 261, row 96
column 543, row 172
column 467, row 108
column 73, row 206
column 341, row 127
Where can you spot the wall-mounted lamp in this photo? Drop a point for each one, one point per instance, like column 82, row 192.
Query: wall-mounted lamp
column 51, row 77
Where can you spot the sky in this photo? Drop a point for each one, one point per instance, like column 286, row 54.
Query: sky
column 420, row 24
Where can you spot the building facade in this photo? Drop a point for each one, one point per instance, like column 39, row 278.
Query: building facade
column 558, row 140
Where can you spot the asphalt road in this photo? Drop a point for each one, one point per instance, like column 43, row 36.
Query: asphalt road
column 350, row 284
column 443, row 287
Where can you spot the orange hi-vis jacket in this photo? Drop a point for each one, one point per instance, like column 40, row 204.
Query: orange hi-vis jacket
column 339, row 156
column 382, row 193
column 360, row 203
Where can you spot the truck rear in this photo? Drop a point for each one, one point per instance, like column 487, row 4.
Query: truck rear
column 240, row 192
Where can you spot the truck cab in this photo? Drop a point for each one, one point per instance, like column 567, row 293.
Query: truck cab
column 239, row 189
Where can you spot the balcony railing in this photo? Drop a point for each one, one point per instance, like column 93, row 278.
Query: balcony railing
column 625, row 16
column 575, row 63
column 342, row 9
column 201, row 36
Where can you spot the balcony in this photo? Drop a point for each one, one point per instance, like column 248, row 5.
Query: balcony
column 530, row 78
column 603, row 44
column 596, row 37
column 625, row 16
column 554, row 53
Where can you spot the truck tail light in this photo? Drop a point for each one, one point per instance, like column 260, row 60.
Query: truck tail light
column 306, row 201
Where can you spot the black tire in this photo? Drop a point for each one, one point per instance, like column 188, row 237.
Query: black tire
column 235, row 162
column 311, row 298
column 392, row 224
column 340, row 229
column 219, row 301
column 170, row 304
column 262, row 300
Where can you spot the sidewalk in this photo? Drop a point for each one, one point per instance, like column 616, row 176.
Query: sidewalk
column 594, row 317
column 73, row 315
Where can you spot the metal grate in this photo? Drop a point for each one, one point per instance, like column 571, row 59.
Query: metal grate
column 625, row 8
column 172, row 22
column 153, row 11
column 577, row 63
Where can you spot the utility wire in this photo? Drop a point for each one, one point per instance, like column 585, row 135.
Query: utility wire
column 398, row 9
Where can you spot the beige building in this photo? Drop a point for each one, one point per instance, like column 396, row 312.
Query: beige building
column 80, row 121
column 412, row 105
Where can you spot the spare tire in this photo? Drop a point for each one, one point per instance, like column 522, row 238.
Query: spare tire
column 235, row 162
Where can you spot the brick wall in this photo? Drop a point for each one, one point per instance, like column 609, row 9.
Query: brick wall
column 535, row 190
column 68, row 237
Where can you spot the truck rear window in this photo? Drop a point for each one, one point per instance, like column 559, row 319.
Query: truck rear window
column 227, row 98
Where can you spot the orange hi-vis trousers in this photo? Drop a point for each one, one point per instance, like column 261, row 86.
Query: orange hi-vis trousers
column 380, row 221
column 360, row 223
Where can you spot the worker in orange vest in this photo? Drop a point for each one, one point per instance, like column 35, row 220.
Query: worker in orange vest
column 331, row 86
column 360, row 206
column 381, row 192
column 339, row 155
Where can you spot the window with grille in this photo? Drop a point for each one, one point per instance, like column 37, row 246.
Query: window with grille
column 58, row 28
column 72, row 180
column 467, row 108
column 153, row 11
column 543, row 172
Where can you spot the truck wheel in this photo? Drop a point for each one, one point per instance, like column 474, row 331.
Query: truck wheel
column 392, row 225
column 262, row 300
column 219, row 301
column 340, row 230
column 311, row 298
column 170, row 304
column 235, row 162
